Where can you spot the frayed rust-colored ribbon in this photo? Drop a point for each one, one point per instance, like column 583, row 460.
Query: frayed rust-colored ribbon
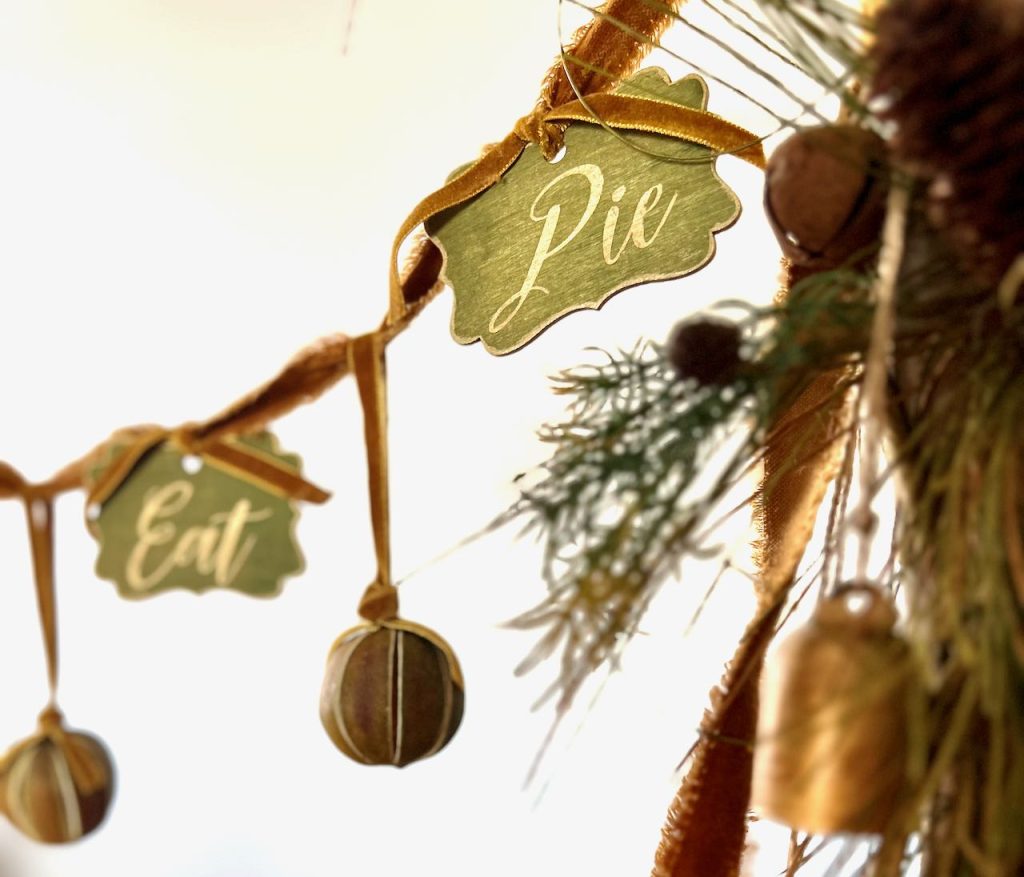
column 705, row 831
column 544, row 127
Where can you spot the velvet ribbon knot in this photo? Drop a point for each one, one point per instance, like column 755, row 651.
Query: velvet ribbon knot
column 88, row 775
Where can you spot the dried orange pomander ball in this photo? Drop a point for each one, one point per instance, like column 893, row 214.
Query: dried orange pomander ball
column 56, row 786
column 392, row 694
column 825, row 193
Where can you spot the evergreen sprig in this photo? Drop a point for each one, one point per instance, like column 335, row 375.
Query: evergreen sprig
column 616, row 506
column 643, row 459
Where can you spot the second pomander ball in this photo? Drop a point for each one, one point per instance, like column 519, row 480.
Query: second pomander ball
column 392, row 694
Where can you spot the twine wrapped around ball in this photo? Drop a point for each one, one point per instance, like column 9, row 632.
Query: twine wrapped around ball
column 392, row 693
column 56, row 786
column 832, row 743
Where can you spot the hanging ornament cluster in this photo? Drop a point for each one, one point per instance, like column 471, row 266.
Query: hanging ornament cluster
column 393, row 691
column 900, row 320
column 211, row 505
column 900, row 325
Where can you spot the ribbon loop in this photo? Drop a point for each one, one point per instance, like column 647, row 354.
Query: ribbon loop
column 380, row 602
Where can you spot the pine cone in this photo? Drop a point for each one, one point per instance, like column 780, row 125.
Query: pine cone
column 952, row 72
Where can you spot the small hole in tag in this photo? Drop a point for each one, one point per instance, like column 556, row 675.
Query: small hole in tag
column 92, row 511
column 858, row 602
column 558, row 156
column 191, row 464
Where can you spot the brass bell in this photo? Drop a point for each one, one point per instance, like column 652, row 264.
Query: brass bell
column 57, row 785
column 392, row 693
column 831, row 753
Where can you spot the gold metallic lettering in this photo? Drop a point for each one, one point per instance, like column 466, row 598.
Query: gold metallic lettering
column 219, row 548
column 592, row 173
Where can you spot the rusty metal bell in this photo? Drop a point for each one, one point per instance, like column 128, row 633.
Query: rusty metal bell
column 831, row 753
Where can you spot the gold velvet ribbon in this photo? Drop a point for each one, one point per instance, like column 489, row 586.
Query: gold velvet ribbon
column 617, row 111
column 38, row 503
column 366, row 360
column 39, row 514
column 238, row 459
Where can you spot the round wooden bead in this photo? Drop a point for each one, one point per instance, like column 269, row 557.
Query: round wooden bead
column 392, row 693
column 56, row 786
column 705, row 350
column 832, row 743
column 825, row 194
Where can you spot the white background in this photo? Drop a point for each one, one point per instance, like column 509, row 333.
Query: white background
column 191, row 190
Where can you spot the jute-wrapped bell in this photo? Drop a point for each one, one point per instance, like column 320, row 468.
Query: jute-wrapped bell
column 832, row 741
column 392, row 693
column 57, row 785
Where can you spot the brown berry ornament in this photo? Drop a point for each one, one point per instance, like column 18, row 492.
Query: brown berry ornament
column 705, row 350
column 832, row 743
column 825, row 194
column 392, row 694
column 57, row 785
